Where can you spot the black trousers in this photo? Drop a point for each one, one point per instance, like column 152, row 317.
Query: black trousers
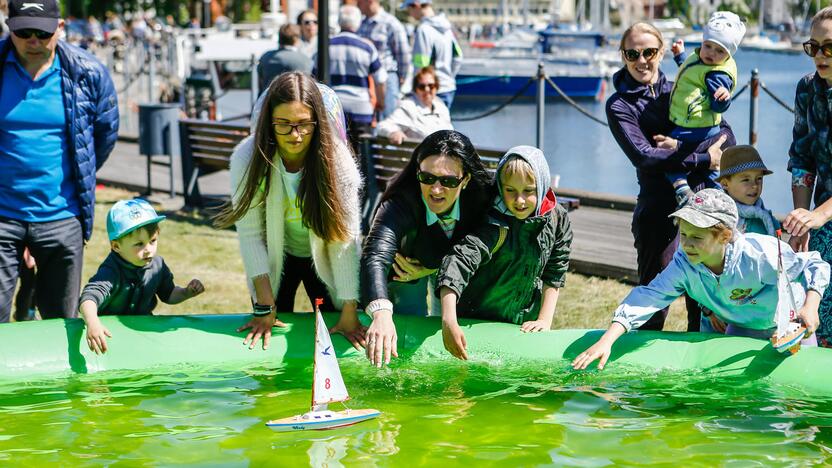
column 295, row 271
column 58, row 250
column 656, row 239
column 25, row 298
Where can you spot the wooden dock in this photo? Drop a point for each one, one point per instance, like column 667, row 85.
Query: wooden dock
column 602, row 245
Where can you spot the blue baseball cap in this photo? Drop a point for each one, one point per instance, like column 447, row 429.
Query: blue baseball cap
column 128, row 215
column 407, row 3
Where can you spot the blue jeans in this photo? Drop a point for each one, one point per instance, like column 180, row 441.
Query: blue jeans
column 447, row 98
column 58, row 250
column 391, row 95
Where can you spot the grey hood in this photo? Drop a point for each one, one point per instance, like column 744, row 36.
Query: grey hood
column 439, row 22
column 543, row 179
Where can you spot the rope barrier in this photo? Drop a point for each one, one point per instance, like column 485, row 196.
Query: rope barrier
column 776, row 99
column 501, row 106
column 573, row 103
column 738, row 93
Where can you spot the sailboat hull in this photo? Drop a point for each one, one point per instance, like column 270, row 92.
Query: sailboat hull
column 322, row 420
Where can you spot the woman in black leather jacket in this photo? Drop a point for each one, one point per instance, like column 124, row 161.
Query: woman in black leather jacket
column 440, row 196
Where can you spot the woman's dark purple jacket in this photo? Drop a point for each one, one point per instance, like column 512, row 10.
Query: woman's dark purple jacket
column 637, row 112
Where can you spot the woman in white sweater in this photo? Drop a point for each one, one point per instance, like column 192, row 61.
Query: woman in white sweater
column 295, row 190
column 419, row 114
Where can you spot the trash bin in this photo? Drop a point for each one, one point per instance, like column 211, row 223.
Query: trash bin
column 159, row 135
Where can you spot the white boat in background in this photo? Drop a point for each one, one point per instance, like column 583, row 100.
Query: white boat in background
column 327, row 387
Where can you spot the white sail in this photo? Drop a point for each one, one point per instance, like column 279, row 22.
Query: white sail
column 786, row 307
column 328, row 385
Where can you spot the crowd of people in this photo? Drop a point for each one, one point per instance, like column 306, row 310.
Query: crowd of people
column 447, row 238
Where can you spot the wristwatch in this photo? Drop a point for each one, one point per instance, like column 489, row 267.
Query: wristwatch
column 376, row 305
column 260, row 310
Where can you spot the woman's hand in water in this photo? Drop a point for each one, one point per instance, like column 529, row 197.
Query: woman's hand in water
column 381, row 338
column 349, row 326
column 260, row 327
column 409, row 269
column 454, row 339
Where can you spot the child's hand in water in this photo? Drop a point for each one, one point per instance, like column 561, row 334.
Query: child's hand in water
column 600, row 350
column 535, row 326
column 454, row 340
column 194, row 288
column 97, row 335
column 722, row 94
column 678, row 47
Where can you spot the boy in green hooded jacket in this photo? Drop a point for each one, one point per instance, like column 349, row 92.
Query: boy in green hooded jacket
column 512, row 269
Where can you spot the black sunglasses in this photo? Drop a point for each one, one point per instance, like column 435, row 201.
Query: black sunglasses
column 631, row 55
column 446, row 181
column 426, row 86
column 308, row 22
column 28, row 33
column 811, row 48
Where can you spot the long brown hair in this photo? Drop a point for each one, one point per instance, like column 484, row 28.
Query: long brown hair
column 319, row 201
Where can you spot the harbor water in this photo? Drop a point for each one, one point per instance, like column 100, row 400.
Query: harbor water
column 587, row 157
column 437, row 412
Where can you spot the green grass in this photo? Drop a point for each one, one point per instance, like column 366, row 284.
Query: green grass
column 193, row 249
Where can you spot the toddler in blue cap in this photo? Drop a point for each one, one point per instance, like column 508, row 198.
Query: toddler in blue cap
column 132, row 276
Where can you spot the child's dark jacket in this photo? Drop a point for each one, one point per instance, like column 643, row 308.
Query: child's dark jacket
column 121, row 288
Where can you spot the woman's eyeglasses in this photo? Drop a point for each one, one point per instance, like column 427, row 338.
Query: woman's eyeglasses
column 811, row 48
column 426, row 86
column 28, row 33
column 303, row 128
column 631, row 55
column 446, row 181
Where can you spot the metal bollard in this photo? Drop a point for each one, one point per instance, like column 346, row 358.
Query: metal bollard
column 541, row 103
column 753, row 106
column 255, row 82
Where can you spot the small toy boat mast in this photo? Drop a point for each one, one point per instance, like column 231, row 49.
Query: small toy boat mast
column 789, row 332
column 327, row 387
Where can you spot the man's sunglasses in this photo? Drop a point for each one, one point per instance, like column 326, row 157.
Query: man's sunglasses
column 426, row 86
column 28, row 33
column 811, row 48
column 631, row 55
column 446, row 181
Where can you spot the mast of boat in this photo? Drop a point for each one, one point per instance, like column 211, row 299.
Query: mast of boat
column 761, row 17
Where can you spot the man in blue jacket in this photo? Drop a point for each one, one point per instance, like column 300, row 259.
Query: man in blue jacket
column 58, row 124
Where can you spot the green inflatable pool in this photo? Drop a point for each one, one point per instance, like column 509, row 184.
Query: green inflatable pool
column 56, row 347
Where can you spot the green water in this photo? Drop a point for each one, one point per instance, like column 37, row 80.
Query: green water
column 444, row 412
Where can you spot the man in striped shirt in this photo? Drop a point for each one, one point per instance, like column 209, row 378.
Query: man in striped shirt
column 390, row 39
column 356, row 74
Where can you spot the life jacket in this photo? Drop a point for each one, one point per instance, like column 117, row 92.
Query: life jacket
column 690, row 104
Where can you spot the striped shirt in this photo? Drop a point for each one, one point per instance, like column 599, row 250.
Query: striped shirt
column 390, row 38
column 352, row 60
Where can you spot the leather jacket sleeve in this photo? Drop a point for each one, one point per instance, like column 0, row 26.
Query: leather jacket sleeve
column 393, row 220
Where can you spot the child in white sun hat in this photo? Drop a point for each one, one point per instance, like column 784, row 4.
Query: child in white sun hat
column 703, row 89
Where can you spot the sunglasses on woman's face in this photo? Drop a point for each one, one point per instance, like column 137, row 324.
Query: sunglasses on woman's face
column 426, row 86
column 811, row 48
column 631, row 55
column 309, row 22
column 28, row 33
column 446, row 181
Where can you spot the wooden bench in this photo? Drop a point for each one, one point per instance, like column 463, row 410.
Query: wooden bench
column 206, row 147
column 382, row 160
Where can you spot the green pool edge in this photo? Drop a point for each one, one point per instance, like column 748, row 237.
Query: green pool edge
column 42, row 349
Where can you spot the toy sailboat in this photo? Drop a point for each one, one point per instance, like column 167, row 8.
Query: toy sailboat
column 327, row 387
column 789, row 332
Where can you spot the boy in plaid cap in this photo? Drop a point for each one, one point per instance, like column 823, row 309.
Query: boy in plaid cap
column 734, row 275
